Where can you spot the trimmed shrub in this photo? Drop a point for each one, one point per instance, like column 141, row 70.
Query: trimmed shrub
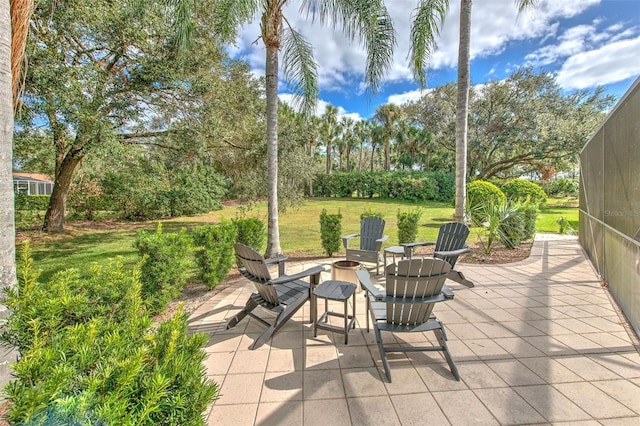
column 561, row 187
column 369, row 212
column 251, row 232
column 522, row 190
column 164, row 266
column 529, row 212
column 481, row 195
column 24, row 202
column 90, row 356
column 214, row 253
column 408, row 225
column 446, row 186
column 330, row 231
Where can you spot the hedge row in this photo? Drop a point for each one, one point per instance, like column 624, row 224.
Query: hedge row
column 410, row 186
column 24, row 202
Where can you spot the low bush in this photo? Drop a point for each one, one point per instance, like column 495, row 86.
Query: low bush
column 481, row 195
column 521, row 190
column 370, row 212
column 90, row 356
column 330, row 232
column 23, row 202
column 408, row 225
column 251, row 232
column 164, row 265
column 529, row 212
column 502, row 222
column 561, row 187
column 214, row 251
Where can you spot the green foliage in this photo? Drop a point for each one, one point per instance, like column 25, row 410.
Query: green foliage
column 408, row 225
column 330, row 231
column 214, row 253
column 522, row 190
column 370, row 212
column 564, row 226
column 251, row 232
column 24, row 202
column 502, row 222
column 481, row 193
column 164, row 265
column 400, row 185
column 194, row 190
column 89, row 355
column 529, row 213
column 561, row 187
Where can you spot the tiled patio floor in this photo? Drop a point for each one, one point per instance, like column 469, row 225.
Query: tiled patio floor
column 535, row 342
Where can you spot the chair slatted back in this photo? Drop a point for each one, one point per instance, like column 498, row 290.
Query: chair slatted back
column 410, row 279
column 452, row 236
column 371, row 229
column 255, row 269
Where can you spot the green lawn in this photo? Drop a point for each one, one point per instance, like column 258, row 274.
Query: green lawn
column 299, row 230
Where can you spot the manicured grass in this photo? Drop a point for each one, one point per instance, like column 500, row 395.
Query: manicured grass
column 299, row 230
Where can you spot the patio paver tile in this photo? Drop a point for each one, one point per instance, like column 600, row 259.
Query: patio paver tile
column 514, row 373
column 553, row 405
column 587, row 368
column 363, row 382
column 594, row 401
column 372, row 410
column 282, row 386
column 249, row 362
column 508, row 407
column 477, row 375
column 418, row 409
column 474, row 411
column 622, row 391
column 232, row 415
column 279, row 413
column 322, row 384
column 241, row 389
column 324, row 412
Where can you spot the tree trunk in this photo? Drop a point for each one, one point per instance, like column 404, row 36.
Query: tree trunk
column 387, row 153
column 273, row 231
column 462, row 108
column 7, row 221
column 329, row 149
column 55, row 217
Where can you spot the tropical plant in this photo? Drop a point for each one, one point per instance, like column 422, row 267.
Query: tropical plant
column 389, row 116
column 367, row 21
column 502, row 222
column 482, row 193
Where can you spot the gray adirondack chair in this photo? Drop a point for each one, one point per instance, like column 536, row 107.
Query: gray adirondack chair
column 412, row 288
column 371, row 239
column 451, row 243
column 283, row 295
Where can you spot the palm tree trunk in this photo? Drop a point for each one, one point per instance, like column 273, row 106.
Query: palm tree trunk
column 462, row 108
column 273, row 229
column 7, row 230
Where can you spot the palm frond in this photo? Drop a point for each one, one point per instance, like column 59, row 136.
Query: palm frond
column 229, row 15
column 300, row 70
column 369, row 22
column 425, row 28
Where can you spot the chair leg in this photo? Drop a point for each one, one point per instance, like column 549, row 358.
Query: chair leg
column 248, row 307
column 442, row 339
column 280, row 320
column 458, row 277
column 383, row 353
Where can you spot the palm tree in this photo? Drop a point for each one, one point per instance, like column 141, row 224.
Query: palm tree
column 346, row 142
column 365, row 20
column 362, row 133
column 7, row 230
column 329, row 131
column 428, row 19
column 388, row 115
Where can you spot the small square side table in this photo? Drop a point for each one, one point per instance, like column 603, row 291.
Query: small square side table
column 335, row 290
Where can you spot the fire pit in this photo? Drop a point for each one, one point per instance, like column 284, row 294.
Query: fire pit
column 345, row 270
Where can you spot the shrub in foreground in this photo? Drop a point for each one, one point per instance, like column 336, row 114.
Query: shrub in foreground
column 89, row 356
column 330, row 231
column 482, row 193
column 164, row 264
column 408, row 225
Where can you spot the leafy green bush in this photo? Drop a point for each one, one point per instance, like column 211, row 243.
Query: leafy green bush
column 482, row 193
column 330, row 231
column 24, row 202
column 522, row 190
column 194, row 190
column 89, row 355
column 369, row 213
column 164, row 265
column 214, row 252
column 408, row 225
column 251, row 232
column 561, row 187
column 446, row 186
column 502, row 222
column 529, row 212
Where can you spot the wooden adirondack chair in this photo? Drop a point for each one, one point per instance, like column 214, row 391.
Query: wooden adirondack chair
column 451, row 244
column 412, row 288
column 371, row 239
column 283, row 296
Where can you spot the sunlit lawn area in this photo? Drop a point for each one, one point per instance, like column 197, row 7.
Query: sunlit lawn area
column 299, row 230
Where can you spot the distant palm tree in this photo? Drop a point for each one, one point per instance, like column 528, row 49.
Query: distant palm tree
column 329, row 132
column 429, row 16
column 365, row 20
column 362, row 133
column 388, row 115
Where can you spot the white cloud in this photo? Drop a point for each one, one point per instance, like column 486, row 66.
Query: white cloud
column 321, row 106
column 405, row 97
column 608, row 64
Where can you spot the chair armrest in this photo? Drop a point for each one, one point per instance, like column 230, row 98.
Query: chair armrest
column 452, row 252
column 365, row 282
column 346, row 238
column 279, row 261
column 447, row 292
column 316, row 270
column 415, row 300
column 383, row 239
column 409, row 247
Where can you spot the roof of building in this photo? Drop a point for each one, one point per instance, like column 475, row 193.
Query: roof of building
column 40, row 177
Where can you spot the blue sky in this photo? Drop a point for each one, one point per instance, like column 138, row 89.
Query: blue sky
column 586, row 43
